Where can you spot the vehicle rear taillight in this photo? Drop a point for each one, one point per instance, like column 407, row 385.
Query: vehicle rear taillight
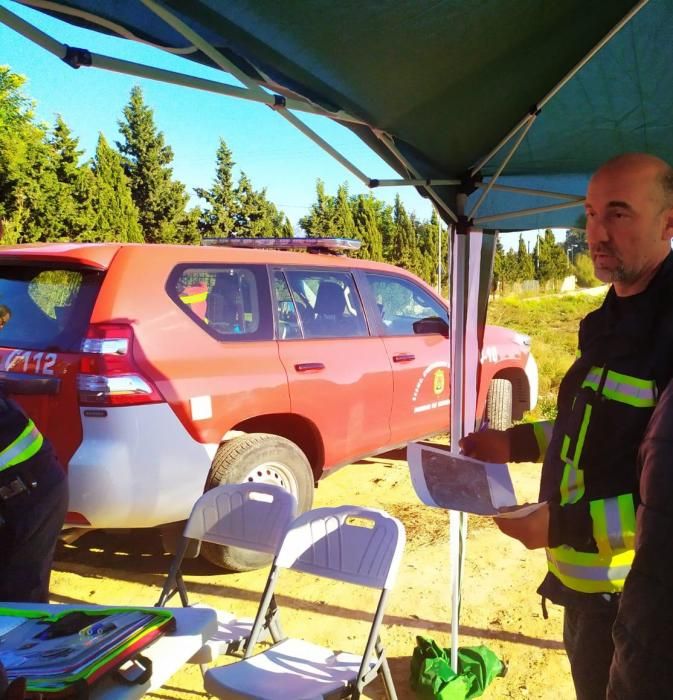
column 108, row 375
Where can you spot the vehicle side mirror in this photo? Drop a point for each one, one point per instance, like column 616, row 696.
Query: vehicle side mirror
column 432, row 324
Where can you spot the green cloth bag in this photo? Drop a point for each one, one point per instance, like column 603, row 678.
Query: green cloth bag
column 432, row 677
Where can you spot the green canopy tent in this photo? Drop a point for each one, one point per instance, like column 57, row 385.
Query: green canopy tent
column 497, row 110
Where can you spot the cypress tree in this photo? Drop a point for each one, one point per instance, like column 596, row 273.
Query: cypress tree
column 147, row 159
column 116, row 215
column 219, row 218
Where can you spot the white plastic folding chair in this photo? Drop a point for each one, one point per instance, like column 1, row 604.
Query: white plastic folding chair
column 347, row 543
column 253, row 516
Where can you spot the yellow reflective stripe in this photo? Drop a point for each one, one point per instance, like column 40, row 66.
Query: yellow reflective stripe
column 634, row 391
column 600, row 527
column 582, row 434
column 627, row 515
column 194, row 298
column 542, row 431
column 614, row 523
column 572, row 484
column 24, row 447
column 589, row 572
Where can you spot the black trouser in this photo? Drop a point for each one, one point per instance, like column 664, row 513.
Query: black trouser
column 587, row 636
column 32, row 523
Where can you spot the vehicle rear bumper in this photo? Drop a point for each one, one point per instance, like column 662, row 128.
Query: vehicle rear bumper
column 137, row 466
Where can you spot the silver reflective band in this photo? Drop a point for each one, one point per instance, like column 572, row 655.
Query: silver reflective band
column 591, row 573
column 613, row 524
column 13, row 451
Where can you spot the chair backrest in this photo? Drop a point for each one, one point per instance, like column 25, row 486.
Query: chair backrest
column 330, row 301
column 224, row 303
column 251, row 515
column 348, row 543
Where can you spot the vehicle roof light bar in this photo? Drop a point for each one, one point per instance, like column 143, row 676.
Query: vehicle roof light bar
column 312, row 245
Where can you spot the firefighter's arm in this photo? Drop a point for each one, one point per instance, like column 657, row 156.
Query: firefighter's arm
column 529, row 441
column 530, row 529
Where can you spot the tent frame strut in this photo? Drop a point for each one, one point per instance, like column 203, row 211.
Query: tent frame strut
column 281, row 104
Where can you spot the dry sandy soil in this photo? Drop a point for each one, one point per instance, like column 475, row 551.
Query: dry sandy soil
column 500, row 607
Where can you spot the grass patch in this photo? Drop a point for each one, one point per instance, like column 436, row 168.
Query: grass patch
column 552, row 323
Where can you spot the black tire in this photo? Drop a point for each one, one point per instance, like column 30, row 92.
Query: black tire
column 258, row 457
column 499, row 404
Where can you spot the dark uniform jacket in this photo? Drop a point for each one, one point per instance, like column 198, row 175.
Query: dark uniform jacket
column 33, row 504
column 642, row 666
column 627, row 340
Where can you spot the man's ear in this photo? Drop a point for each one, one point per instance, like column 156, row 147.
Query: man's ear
column 667, row 232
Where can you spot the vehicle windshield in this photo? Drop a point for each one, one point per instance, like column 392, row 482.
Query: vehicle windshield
column 45, row 308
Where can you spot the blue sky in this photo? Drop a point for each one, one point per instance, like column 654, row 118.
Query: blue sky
column 272, row 152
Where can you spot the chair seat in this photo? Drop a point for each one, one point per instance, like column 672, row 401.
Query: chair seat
column 231, row 633
column 292, row 668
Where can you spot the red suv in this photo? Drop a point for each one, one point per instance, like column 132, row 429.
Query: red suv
column 159, row 371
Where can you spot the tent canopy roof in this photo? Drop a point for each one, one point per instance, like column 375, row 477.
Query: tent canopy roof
column 446, row 80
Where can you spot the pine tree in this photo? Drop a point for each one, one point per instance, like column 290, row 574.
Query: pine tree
column 76, row 215
column 257, row 217
column 322, row 220
column 160, row 200
column 22, row 147
column 219, row 219
column 525, row 269
column 117, row 216
column 403, row 249
column 552, row 262
column 366, row 227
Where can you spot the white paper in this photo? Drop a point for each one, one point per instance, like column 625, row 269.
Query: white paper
column 521, row 512
column 455, row 482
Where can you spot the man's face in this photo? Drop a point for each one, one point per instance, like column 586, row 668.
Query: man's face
column 628, row 224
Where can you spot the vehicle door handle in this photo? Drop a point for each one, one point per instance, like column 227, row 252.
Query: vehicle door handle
column 404, row 357
column 309, row 366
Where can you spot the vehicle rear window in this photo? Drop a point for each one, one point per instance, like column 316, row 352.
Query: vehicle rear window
column 231, row 302
column 47, row 309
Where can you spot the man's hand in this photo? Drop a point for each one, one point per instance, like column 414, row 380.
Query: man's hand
column 531, row 530
column 487, row 445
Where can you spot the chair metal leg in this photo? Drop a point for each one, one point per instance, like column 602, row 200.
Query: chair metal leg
column 387, row 676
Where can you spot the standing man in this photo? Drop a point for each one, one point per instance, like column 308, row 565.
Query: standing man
column 588, row 487
column 642, row 665
column 33, row 504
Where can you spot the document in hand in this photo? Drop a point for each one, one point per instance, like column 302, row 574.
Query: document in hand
column 452, row 481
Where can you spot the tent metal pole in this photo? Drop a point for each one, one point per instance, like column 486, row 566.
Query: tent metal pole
column 541, row 103
column 216, row 57
column 390, row 145
column 615, row 30
column 318, row 140
column 534, row 193
column 502, row 166
column 418, row 182
column 33, row 33
column 526, row 212
column 140, row 70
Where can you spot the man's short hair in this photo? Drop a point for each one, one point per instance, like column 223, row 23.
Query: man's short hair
column 666, row 180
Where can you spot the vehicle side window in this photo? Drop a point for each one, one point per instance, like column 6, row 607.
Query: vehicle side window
column 327, row 303
column 224, row 298
column 286, row 312
column 401, row 303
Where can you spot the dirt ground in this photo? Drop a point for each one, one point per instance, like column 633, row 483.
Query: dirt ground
column 500, row 607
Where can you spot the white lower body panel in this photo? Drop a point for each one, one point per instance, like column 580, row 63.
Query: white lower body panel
column 137, row 466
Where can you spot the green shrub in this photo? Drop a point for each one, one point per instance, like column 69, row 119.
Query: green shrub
column 552, row 323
